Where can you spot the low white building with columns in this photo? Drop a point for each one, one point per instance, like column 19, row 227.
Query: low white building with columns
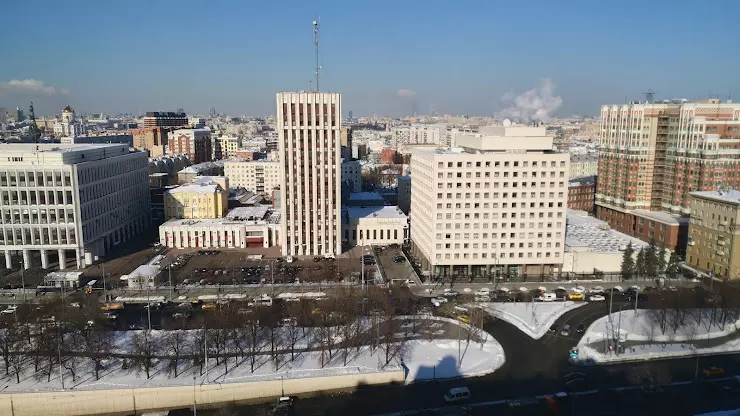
column 243, row 227
column 374, row 226
column 70, row 199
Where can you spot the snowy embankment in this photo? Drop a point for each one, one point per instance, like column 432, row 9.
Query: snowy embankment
column 655, row 334
column 532, row 318
column 419, row 359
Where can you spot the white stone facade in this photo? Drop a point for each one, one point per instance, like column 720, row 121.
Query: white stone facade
column 309, row 138
column 375, row 226
column 59, row 198
column 498, row 201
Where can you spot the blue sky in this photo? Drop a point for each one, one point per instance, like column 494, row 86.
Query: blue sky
column 456, row 57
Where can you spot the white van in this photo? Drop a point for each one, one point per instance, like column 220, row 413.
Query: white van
column 456, row 394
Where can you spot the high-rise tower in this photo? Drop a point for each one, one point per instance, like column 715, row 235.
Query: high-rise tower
column 309, row 133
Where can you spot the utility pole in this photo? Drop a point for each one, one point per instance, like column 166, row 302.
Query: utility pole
column 105, row 289
column 148, row 306
column 23, row 279
column 169, row 270
column 195, row 410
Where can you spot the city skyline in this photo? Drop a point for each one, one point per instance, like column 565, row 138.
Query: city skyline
column 385, row 59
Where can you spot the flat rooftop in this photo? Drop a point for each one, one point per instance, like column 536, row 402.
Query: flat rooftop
column 195, row 188
column 583, row 232
column 731, row 196
column 50, row 148
column 248, row 213
column 661, row 216
column 365, row 196
column 376, row 212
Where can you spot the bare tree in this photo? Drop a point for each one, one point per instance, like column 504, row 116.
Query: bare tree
column 389, row 328
column 293, row 331
column 254, row 340
column 175, row 344
column 143, row 349
column 96, row 345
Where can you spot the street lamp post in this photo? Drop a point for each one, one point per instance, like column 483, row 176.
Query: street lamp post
column 23, row 279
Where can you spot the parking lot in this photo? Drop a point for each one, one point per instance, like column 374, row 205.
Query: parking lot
column 234, row 267
column 396, row 265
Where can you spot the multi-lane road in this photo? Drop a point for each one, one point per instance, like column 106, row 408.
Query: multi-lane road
column 536, row 367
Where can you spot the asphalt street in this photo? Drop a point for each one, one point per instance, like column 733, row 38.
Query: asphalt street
column 536, row 367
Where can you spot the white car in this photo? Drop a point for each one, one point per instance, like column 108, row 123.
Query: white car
column 10, row 310
column 547, row 297
column 596, row 298
column 483, row 298
column 483, row 292
column 596, row 290
column 438, row 301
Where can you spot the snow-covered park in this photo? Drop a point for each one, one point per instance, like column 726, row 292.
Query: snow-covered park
column 656, row 333
column 532, row 318
column 421, row 357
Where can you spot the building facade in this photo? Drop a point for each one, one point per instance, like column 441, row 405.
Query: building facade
column 582, row 193
column 352, row 175
column 583, row 165
column 57, row 198
column 208, row 200
column 714, row 235
column 375, row 226
column 246, row 227
column 419, row 134
column 153, row 140
column 495, row 205
column 260, row 177
column 404, row 193
column 68, row 126
column 165, row 119
column 652, row 155
column 195, row 143
column 124, row 138
column 309, row 126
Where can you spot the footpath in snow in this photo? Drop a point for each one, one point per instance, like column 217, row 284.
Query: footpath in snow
column 532, row 318
column 655, row 333
column 420, row 360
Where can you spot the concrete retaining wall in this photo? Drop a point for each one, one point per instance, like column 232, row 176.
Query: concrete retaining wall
column 138, row 400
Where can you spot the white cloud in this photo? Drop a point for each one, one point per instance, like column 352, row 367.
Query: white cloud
column 404, row 93
column 536, row 104
column 32, row 87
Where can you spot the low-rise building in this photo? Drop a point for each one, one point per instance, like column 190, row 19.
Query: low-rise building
column 669, row 229
column 196, row 201
column 582, row 194
column 188, row 174
column 365, row 199
column 243, row 227
column 374, row 225
column 714, row 237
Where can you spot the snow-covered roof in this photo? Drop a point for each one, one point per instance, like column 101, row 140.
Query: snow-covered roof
column 196, row 188
column 246, row 213
column 365, row 196
column 589, row 233
column 379, row 212
column 731, row 196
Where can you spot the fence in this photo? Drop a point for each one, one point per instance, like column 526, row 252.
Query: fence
column 140, row 400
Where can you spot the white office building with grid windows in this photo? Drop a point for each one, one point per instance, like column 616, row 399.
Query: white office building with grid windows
column 60, row 199
column 494, row 205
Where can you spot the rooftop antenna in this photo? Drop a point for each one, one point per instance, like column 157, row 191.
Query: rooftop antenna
column 649, row 96
column 316, row 47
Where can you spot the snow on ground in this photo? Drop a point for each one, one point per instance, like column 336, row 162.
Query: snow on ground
column 532, row 318
column 646, row 339
column 421, row 360
column 645, row 325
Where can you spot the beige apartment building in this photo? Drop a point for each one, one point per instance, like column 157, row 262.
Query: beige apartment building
column 309, row 135
column 494, row 205
column 258, row 176
column 198, row 200
column 714, row 237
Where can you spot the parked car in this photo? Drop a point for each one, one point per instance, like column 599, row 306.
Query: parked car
column 547, row 297
column 9, row 310
column 596, row 290
column 451, row 293
column 464, row 319
column 438, row 301
column 575, row 296
column 596, row 298
column 399, row 259
column 483, row 292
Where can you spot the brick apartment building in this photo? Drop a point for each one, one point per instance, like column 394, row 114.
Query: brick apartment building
column 652, row 155
column 582, row 193
column 196, row 143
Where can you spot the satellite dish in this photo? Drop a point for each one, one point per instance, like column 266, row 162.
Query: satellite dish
column 507, row 122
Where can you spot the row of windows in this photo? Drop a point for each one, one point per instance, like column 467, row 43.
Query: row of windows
column 34, row 216
column 496, row 164
column 37, row 236
column 466, row 236
column 505, row 195
column 35, row 197
column 486, row 205
column 469, row 175
column 495, row 215
column 448, row 256
column 46, row 178
column 474, row 246
column 523, row 184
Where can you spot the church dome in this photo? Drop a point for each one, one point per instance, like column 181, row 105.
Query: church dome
column 68, row 109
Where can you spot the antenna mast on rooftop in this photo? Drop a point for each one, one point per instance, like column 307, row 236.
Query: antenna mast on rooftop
column 316, row 47
column 649, row 96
